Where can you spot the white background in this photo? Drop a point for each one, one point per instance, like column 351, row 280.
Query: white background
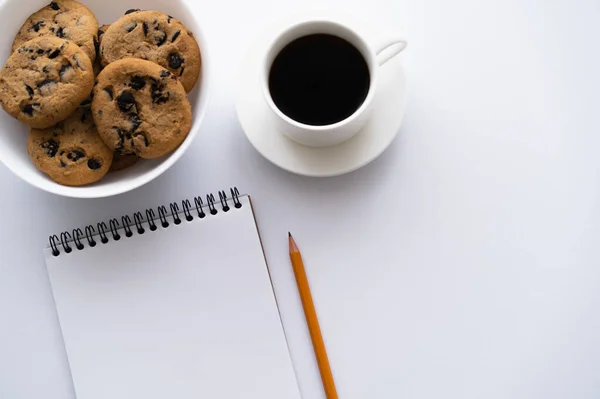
column 463, row 263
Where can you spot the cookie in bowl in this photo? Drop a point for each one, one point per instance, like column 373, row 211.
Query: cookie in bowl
column 66, row 19
column 140, row 108
column 45, row 80
column 156, row 37
column 123, row 161
column 71, row 153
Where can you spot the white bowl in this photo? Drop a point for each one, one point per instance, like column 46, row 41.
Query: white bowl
column 13, row 134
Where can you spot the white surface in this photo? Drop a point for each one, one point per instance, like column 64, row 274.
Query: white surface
column 13, row 134
column 263, row 127
column 463, row 263
column 186, row 312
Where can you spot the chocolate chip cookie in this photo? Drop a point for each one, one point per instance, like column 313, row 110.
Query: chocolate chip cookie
column 45, row 80
column 156, row 37
column 65, row 19
column 123, row 161
column 140, row 108
column 101, row 30
column 98, row 64
column 71, row 152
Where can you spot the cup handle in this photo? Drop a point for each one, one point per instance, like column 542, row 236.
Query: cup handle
column 388, row 49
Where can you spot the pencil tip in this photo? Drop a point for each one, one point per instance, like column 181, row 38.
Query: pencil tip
column 293, row 247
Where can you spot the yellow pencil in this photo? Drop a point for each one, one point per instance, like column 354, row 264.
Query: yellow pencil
column 312, row 320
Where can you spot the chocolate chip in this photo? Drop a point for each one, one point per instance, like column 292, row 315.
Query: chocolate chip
column 76, row 60
column 45, row 82
column 100, row 32
column 155, row 22
column 161, row 99
column 160, row 37
column 100, row 112
column 157, row 94
column 30, row 108
column 119, row 146
column 169, row 19
column 181, row 72
column 135, row 121
column 75, row 155
column 164, row 73
column 47, row 87
column 132, row 10
column 137, row 82
column 62, row 164
column 94, row 164
column 87, row 101
column 36, row 26
column 51, row 147
column 131, row 26
column 60, row 32
column 175, row 60
column 145, row 25
column 64, row 69
column 125, row 101
column 175, row 36
column 40, row 51
column 54, row 6
column 109, row 91
column 29, row 91
column 54, row 54
column 119, row 132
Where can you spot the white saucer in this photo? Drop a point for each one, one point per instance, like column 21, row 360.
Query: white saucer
column 377, row 134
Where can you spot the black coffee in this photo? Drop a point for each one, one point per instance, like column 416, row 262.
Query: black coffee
column 319, row 79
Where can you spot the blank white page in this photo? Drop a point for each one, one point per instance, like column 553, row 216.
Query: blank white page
column 186, row 311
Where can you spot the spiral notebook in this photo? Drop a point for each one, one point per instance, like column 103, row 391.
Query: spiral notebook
column 172, row 303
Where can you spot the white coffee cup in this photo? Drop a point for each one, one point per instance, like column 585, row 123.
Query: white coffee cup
column 375, row 56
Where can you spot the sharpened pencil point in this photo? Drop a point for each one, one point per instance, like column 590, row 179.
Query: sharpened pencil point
column 293, row 246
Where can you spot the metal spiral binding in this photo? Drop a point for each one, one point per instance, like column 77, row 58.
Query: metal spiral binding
column 126, row 228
